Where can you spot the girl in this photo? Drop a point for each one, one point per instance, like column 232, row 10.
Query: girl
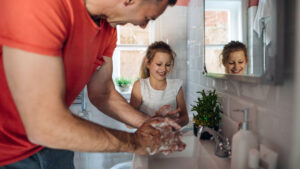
column 154, row 90
column 235, row 58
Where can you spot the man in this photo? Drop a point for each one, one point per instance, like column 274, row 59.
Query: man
column 50, row 49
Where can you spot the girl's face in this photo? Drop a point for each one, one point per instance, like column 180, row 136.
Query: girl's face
column 160, row 65
column 236, row 63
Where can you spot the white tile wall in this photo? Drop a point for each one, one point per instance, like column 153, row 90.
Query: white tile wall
column 271, row 107
column 171, row 27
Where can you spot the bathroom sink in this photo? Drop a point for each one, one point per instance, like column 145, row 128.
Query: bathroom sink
column 197, row 155
column 181, row 160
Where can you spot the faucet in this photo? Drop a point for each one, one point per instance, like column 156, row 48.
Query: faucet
column 222, row 144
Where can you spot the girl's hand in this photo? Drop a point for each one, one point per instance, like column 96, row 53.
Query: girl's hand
column 166, row 111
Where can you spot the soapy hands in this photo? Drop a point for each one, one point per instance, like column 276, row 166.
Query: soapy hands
column 170, row 137
column 161, row 133
column 147, row 137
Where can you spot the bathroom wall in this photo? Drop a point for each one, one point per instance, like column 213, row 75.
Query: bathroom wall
column 271, row 107
column 171, row 27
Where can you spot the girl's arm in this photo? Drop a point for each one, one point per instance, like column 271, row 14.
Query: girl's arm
column 136, row 96
column 183, row 115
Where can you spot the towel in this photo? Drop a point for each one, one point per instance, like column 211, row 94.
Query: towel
column 263, row 17
column 252, row 10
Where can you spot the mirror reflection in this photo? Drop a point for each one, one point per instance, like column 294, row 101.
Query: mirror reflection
column 234, row 58
column 237, row 36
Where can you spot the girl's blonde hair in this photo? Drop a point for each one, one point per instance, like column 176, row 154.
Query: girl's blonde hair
column 155, row 47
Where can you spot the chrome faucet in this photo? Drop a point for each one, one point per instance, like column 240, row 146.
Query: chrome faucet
column 222, row 144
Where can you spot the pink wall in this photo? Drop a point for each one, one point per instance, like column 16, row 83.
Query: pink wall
column 182, row 2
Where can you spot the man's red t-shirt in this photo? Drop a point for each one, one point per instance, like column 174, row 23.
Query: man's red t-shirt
column 59, row 28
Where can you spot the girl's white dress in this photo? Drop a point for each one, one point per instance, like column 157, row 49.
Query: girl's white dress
column 153, row 100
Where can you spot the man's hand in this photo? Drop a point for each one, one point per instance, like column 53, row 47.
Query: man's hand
column 170, row 136
column 147, row 137
column 157, row 135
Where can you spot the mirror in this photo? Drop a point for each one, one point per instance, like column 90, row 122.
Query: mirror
column 242, row 39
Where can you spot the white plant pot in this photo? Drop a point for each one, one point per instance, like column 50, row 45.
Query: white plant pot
column 124, row 88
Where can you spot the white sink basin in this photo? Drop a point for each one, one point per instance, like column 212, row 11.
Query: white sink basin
column 197, row 155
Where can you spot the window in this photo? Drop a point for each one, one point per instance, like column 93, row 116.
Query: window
column 131, row 47
column 223, row 23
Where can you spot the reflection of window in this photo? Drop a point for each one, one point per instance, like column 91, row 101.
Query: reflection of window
column 222, row 24
column 216, row 27
column 131, row 46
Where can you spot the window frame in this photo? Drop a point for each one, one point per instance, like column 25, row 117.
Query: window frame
column 129, row 47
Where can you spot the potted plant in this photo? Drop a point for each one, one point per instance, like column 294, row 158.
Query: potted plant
column 123, row 84
column 208, row 110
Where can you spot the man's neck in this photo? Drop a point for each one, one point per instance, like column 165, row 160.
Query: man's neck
column 96, row 18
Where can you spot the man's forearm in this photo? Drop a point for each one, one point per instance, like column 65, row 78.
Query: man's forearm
column 103, row 95
column 73, row 133
column 114, row 105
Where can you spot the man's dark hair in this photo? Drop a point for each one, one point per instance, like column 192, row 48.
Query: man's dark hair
column 172, row 2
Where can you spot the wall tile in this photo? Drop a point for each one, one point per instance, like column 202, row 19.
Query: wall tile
column 238, row 103
column 275, row 132
column 256, row 92
column 229, row 127
column 223, row 99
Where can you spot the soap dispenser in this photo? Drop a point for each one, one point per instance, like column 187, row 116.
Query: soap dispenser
column 242, row 141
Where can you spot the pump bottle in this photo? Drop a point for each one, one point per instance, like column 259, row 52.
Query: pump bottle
column 242, row 141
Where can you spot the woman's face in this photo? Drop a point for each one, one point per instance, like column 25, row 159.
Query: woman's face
column 236, row 63
column 160, row 66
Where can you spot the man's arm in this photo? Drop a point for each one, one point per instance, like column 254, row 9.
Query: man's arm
column 103, row 95
column 38, row 88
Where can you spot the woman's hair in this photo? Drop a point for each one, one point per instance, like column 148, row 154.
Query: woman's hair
column 233, row 46
column 155, row 47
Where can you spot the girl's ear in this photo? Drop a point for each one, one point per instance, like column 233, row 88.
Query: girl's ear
column 147, row 62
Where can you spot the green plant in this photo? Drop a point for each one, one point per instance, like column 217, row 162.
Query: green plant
column 122, row 82
column 208, row 109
